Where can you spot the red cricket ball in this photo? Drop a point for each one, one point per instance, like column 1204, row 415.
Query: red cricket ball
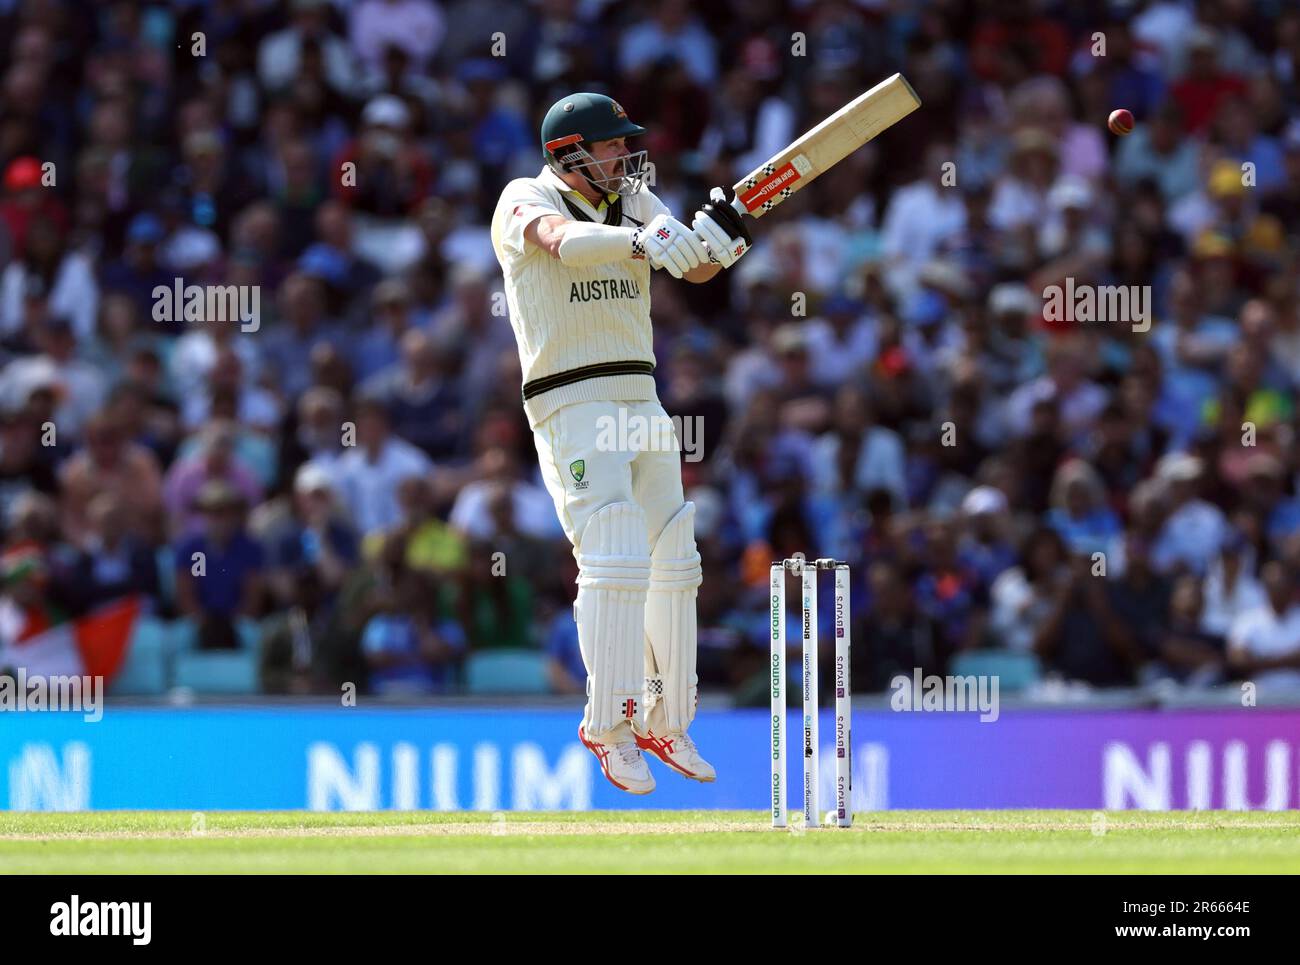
column 1121, row 122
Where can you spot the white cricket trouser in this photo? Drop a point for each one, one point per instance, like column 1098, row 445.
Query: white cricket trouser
column 599, row 458
column 589, row 433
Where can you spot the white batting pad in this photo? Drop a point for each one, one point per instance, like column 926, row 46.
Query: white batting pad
column 670, row 627
column 613, row 576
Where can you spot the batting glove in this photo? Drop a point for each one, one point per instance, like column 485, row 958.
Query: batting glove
column 722, row 229
column 669, row 244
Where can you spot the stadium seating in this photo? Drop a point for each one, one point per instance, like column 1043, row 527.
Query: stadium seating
column 226, row 672
column 506, row 672
column 164, row 655
column 144, row 672
column 1015, row 671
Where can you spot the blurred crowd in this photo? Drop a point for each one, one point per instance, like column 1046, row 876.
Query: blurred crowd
column 876, row 381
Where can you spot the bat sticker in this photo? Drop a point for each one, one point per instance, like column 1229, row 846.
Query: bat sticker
column 776, row 180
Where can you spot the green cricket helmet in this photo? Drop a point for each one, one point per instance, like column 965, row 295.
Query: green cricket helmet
column 573, row 123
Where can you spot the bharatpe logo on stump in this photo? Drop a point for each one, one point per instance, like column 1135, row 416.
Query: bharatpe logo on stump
column 209, row 303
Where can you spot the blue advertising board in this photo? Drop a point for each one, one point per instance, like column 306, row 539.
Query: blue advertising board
column 522, row 759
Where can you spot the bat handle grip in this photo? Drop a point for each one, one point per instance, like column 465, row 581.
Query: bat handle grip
column 718, row 196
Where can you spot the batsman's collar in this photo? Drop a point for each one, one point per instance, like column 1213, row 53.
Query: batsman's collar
column 548, row 176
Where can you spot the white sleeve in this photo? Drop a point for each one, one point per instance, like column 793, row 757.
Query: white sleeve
column 587, row 244
column 522, row 202
column 653, row 206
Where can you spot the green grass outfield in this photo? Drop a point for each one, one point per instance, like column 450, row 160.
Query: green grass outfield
column 648, row 842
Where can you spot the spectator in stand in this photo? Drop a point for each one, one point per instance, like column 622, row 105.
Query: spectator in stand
column 335, row 233
column 409, row 650
column 1230, row 586
column 115, row 563
column 1141, row 598
column 213, row 461
column 1195, row 529
column 501, row 479
column 1130, row 77
column 985, row 547
column 281, row 55
column 414, row 26
column 1185, row 651
column 78, row 387
column 1265, row 494
column 471, row 326
column 1083, row 637
column 500, row 579
column 858, row 454
column 1079, row 400
column 139, row 272
column 1079, row 511
column 392, row 174
column 378, row 348
column 26, row 203
column 1011, row 40
column 219, row 578
column 368, row 473
column 920, row 217
column 318, row 545
column 315, row 433
column 301, row 327
column 1204, row 87
column 901, row 638
column 26, row 466
column 1160, row 152
column 420, row 395
column 67, row 275
column 1264, row 643
column 670, row 29
column 111, row 464
column 949, row 591
column 1022, row 597
column 433, row 545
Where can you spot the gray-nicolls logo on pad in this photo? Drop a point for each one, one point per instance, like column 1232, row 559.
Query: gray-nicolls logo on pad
column 132, row 919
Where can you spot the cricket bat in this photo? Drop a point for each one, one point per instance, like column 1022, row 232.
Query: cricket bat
column 820, row 149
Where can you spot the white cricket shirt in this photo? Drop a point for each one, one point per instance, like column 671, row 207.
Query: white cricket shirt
column 583, row 333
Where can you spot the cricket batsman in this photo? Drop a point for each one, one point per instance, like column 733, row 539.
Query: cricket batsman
column 577, row 244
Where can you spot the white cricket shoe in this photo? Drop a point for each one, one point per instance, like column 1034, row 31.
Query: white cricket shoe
column 620, row 759
column 679, row 752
